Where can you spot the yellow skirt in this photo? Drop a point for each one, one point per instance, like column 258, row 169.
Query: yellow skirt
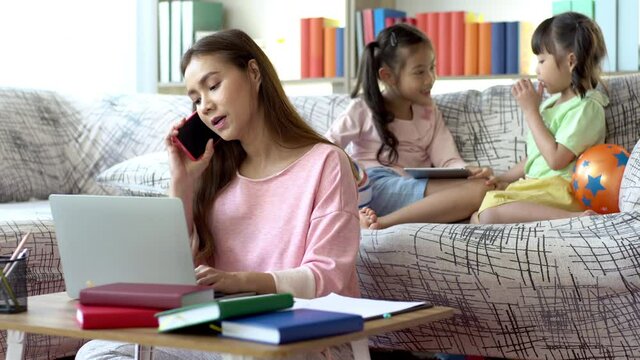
column 554, row 191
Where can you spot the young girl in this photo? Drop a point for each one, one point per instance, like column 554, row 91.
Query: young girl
column 570, row 48
column 402, row 127
column 273, row 207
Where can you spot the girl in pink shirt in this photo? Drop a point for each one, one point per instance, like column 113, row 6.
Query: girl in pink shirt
column 402, row 127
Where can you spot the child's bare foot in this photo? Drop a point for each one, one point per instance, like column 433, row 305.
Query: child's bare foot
column 588, row 212
column 368, row 219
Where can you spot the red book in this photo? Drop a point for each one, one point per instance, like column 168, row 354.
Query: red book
column 367, row 26
column 421, row 22
column 112, row 317
column 457, row 43
column 305, row 46
column 443, row 51
column 159, row 296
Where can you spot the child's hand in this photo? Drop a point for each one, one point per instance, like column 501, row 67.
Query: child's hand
column 527, row 96
column 497, row 183
column 479, row 172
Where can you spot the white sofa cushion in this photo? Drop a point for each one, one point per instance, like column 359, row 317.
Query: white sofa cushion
column 145, row 175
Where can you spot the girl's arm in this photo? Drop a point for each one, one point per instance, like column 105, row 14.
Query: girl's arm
column 556, row 155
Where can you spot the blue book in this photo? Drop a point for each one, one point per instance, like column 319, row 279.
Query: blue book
column 606, row 16
column 339, row 52
column 512, row 48
column 627, row 35
column 498, row 48
column 282, row 327
column 380, row 15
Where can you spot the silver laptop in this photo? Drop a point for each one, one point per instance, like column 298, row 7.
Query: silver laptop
column 106, row 239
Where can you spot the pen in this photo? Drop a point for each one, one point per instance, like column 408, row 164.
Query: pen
column 17, row 250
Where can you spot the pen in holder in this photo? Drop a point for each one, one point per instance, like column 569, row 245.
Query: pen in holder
column 13, row 284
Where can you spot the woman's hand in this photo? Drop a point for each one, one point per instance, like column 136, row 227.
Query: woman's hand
column 184, row 171
column 527, row 96
column 479, row 172
column 227, row 282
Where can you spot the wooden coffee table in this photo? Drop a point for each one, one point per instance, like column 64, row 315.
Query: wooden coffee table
column 54, row 314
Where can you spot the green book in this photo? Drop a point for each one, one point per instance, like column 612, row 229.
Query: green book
column 210, row 312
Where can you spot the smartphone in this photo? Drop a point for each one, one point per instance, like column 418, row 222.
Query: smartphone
column 193, row 137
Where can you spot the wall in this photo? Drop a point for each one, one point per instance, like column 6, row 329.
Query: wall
column 86, row 46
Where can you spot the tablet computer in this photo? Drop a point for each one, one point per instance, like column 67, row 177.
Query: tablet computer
column 437, row 173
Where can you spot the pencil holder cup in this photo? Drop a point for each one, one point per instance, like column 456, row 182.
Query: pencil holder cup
column 13, row 285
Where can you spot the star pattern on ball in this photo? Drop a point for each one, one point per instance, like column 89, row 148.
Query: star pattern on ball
column 622, row 158
column 594, row 184
column 586, row 201
column 585, row 163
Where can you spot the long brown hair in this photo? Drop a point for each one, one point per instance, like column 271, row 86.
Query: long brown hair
column 385, row 51
column 286, row 126
column 573, row 32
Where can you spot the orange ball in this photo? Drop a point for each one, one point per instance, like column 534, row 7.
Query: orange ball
column 597, row 176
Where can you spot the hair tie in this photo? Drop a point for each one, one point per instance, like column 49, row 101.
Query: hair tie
column 394, row 40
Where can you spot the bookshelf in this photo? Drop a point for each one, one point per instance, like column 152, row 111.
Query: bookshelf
column 275, row 25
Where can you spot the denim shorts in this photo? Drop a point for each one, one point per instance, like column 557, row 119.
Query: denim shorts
column 391, row 191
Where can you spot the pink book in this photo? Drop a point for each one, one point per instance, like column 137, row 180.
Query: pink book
column 367, row 25
column 457, row 43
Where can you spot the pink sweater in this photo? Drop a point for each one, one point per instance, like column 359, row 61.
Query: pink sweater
column 301, row 225
column 424, row 141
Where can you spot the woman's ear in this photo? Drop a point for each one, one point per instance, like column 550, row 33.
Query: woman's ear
column 254, row 72
column 386, row 75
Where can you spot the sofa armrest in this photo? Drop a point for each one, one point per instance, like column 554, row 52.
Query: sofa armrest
column 629, row 199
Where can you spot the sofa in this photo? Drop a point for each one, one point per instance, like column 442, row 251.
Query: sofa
column 562, row 289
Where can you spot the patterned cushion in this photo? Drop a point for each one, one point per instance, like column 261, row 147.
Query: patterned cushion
column 630, row 185
column 122, row 127
column 35, row 127
column 145, row 175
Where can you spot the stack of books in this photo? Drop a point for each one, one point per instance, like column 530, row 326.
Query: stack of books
column 122, row 305
column 271, row 318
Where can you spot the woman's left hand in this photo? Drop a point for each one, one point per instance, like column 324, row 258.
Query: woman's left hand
column 227, row 282
column 479, row 172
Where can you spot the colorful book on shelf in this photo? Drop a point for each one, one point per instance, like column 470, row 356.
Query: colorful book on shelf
column 199, row 16
column 443, row 51
column 606, row 15
column 367, row 26
column 421, row 22
column 627, row 35
column 161, row 296
column 471, row 42
column 381, row 14
column 202, row 315
column 512, row 47
column 560, row 6
column 305, row 48
column 585, row 7
column 484, row 48
column 164, row 51
column 340, row 52
column 288, row 326
column 329, row 51
column 316, row 44
column 527, row 58
column 498, row 48
column 359, row 41
column 457, row 42
column 432, row 29
column 114, row 317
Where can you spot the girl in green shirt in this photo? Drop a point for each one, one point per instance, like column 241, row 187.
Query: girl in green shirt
column 570, row 48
